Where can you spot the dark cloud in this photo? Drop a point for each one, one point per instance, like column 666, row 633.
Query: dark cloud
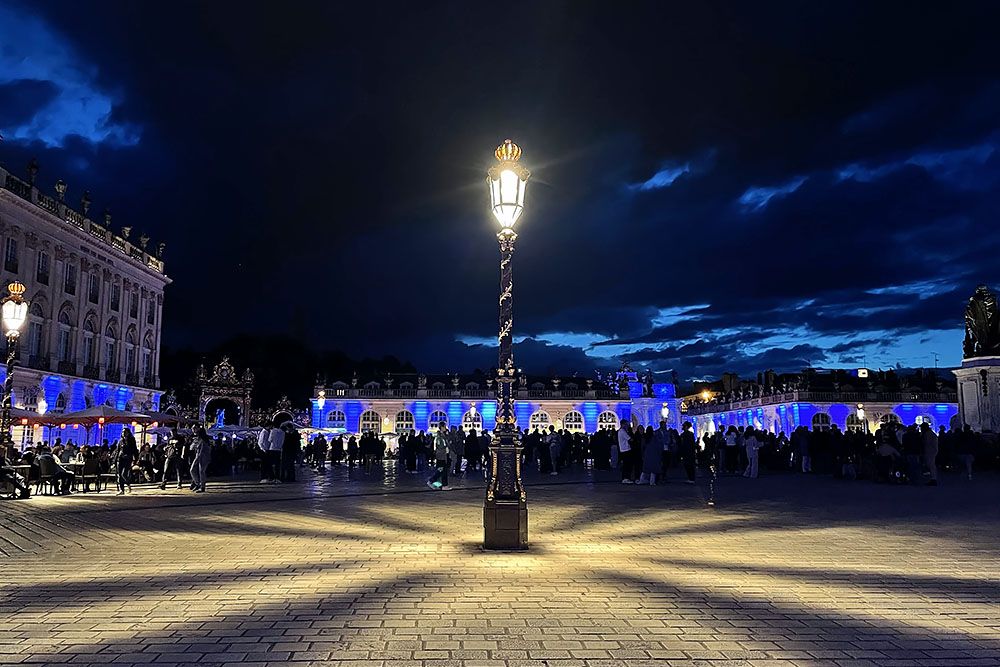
column 319, row 170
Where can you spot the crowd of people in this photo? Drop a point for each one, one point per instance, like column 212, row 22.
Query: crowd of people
column 642, row 455
column 123, row 460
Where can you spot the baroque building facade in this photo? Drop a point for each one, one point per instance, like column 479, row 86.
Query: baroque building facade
column 96, row 303
column 400, row 403
column 851, row 400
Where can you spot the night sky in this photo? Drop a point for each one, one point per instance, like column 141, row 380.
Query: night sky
column 715, row 186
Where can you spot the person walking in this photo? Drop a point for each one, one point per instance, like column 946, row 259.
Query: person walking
column 439, row 480
column 171, row 460
column 125, row 455
column 201, row 449
column 625, row 451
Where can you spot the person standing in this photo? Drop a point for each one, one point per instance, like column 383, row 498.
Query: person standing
column 290, row 451
column 125, row 455
column 277, row 441
column 930, row 442
column 439, row 480
column 201, row 449
column 625, row 451
column 171, row 459
column 913, row 450
column 965, row 448
column 456, row 445
column 652, row 456
column 553, row 443
column 752, row 445
column 687, row 451
column 264, row 443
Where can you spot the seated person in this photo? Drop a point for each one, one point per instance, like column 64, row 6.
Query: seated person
column 9, row 476
column 62, row 479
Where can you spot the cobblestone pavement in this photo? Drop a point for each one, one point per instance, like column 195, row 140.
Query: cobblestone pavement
column 340, row 570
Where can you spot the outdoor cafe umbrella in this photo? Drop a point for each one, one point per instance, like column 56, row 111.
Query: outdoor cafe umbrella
column 101, row 414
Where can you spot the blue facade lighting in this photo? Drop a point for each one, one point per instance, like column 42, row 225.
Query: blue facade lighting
column 489, row 412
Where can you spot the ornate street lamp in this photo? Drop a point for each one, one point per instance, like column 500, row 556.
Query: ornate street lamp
column 505, row 513
column 15, row 312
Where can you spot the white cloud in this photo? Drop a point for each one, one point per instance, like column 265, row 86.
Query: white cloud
column 31, row 51
column 756, row 199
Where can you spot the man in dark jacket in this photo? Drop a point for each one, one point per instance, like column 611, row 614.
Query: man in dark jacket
column 686, row 449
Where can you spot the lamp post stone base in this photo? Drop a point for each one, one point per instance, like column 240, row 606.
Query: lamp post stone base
column 506, row 525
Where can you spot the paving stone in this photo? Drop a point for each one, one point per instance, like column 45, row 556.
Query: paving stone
column 343, row 570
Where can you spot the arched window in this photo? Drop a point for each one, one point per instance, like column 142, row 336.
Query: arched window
column 855, row 423
column 130, row 351
column 36, row 331
column 889, row 418
column 472, row 419
column 339, row 388
column 539, row 420
column 336, row 419
column 438, row 386
column 573, row 422
column 404, row 422
column 89, row 343
column 111, row 348
column 472, row 386
column 920, row 419
column 371, row 422
column 372, row 386
column 435, row 420
column 147, row 358
column 64, row 345
column 607, row 420
column 821, row 422
column 60, row 403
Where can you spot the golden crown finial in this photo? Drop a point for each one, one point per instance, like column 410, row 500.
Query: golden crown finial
column 16, row 289
column 508, row 151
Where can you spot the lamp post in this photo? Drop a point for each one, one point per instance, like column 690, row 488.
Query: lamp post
column 505, row 512
column 15, row 311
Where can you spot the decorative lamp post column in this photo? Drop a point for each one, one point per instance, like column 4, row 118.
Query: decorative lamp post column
column 15, row 312
column 505, row 513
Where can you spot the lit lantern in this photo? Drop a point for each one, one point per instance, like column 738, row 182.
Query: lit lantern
column 24, row 421
column 15, row 310
column 507, row 181
column 100, row 420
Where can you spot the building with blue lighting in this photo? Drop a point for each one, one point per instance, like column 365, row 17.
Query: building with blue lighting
column 853, row 400
column 95, row 297
column 401, row 403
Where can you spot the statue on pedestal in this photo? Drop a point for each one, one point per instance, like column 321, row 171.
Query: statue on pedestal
column 982, row 325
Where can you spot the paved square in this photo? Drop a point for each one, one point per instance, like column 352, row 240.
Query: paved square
column 787, row 570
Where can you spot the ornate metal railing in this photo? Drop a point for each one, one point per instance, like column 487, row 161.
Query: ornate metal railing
column 58, row 208
column 825, row 397
column 40, row 362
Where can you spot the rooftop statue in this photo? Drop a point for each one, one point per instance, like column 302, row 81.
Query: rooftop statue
column 982, row 324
